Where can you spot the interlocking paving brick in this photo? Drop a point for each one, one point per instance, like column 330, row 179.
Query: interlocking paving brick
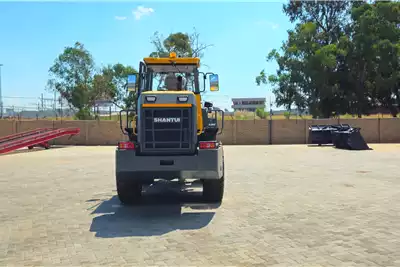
column 284, row 206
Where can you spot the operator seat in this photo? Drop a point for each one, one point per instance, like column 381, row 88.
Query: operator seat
column 179, row 85
column 171, row 82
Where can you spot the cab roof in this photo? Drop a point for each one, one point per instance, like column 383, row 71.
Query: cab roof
column 172, row 59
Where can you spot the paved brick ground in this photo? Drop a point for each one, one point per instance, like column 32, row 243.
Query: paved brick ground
column 284, row 206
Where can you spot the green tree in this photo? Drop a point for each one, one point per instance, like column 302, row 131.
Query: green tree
column 306, row 72
column 342, row 57
column 329, row 17
column 183, row 44
column 71, row 76
column 113, row 84
column 375, row 64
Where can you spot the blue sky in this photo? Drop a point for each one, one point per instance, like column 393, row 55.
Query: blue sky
column 34, row 34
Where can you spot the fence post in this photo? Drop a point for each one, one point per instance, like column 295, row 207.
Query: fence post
column 270, row 131
column 86, row 132
column 379, row 130
column 305, row 132
column 234, row 129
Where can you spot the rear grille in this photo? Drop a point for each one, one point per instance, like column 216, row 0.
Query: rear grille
column 167, row 129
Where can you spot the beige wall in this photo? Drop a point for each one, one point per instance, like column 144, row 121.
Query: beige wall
column 240, row 132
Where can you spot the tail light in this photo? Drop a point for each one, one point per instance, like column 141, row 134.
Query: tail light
column 126, row 145
column 208, row 145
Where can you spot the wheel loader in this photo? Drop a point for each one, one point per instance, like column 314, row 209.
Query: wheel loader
column 171, row 133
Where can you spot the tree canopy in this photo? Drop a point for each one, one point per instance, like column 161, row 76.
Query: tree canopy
column 75, row 77
column 342, row 57
column 183, row 44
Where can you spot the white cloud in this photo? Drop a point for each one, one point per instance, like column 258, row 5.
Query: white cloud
column 141, row 11
column 120, row 18
column 269, row 24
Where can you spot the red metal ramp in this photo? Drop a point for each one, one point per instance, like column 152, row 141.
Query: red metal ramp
column 22, row 134
column 37, row 137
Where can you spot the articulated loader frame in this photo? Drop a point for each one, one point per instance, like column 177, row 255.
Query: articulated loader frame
column 172, row 138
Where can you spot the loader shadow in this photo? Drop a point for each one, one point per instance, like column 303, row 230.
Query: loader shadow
column 160, row 212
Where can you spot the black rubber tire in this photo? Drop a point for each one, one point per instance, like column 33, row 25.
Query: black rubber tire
column 129, row 192
column 213, row 190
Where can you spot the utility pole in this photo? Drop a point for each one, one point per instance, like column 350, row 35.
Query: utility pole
column 55, row 101
column 42, row 101
column 1, row 97
column 270, row 107
column 270, row 120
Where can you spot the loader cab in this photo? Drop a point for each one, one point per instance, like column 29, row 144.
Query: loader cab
column 171, row 74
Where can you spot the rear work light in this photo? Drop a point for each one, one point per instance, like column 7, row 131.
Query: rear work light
column 183, row 98
column 208, row 145
column 126, row 145
column 151, row 98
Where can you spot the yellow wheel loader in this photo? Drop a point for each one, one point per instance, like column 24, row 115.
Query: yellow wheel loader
column 173, row 134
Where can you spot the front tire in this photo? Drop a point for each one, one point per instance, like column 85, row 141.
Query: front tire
column 129, row 192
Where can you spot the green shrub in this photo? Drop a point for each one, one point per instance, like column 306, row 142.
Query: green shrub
column 286, row 114
column 261, row 113
column 83, row 114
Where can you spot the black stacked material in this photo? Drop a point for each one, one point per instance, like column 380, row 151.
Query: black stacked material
column 350, row 139
column 340, row 135
column 324, row 134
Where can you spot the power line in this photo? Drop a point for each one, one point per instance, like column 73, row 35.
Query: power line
column 20, row 97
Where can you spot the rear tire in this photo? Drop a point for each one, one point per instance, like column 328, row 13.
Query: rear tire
column 213, row 190
column 129, row 192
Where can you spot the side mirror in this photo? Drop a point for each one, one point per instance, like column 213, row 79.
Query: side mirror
column 132, row 82
column 214, row 85
column 208, row 104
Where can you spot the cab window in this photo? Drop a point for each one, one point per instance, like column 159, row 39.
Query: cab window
column 169, row 77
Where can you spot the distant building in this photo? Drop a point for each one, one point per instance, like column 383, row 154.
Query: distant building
column 248, row 104
column 9, row 112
